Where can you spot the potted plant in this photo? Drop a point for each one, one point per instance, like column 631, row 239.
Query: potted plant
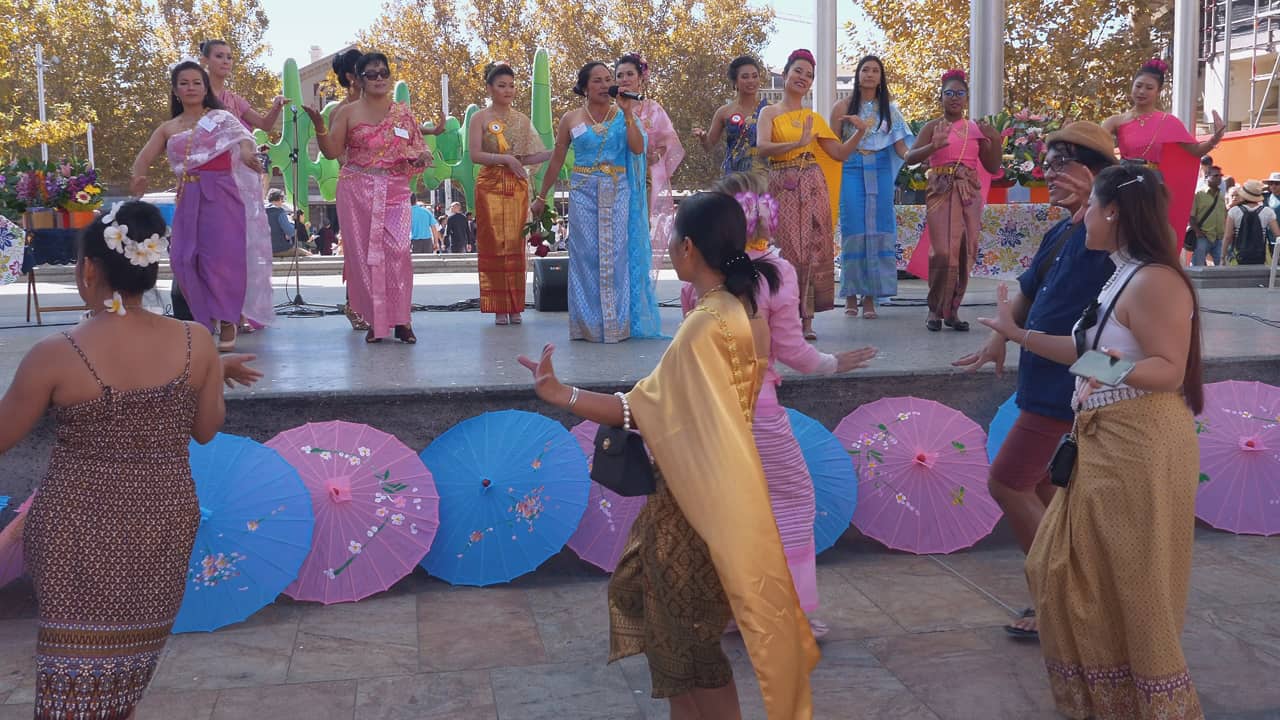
column 82, row 193
column 1028, row 147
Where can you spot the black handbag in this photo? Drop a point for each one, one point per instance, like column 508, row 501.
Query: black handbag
column 621, row 463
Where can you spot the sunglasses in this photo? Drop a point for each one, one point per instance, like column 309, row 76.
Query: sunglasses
column 382, row 74
column 955, row 93
column 1059, row 163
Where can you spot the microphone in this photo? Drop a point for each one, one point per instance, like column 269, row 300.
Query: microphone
column 615, row 92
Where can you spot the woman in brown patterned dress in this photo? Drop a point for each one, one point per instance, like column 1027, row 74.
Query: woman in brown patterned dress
column 109, row 535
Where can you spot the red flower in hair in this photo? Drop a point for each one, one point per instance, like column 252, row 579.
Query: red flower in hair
column 954, row 74
column 1157, row 64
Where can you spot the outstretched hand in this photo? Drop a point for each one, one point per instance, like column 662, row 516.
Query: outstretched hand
column 1078, row 190
column 545, row 383
column 993, row 352
column 850, row 360
column 1003, row 322
column 236, row 370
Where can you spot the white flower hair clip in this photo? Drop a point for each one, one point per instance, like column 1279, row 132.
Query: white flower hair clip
column 139, row 252
column 110, row 217
column 115, row 304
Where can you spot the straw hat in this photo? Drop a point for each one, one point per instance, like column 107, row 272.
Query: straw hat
column 1085, row 134
column 1251, row 191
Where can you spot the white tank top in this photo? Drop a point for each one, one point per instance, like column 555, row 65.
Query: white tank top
column 1115, row 336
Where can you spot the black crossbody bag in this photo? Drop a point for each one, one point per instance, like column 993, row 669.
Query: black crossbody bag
column 1063, row 463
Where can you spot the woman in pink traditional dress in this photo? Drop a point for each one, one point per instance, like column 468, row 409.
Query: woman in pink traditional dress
column 962, row 156
column 217, row 59
column 805, row 164
column 219, row 181
column 665, row 153
column 383, row 146
column 1159, row 140
column 775, row 326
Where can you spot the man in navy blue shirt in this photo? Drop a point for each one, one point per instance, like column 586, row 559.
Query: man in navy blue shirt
column 1063, row 279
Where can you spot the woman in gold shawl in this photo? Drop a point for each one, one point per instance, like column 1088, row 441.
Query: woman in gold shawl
column 805, row 163
column 705, row 549
column 503, row 142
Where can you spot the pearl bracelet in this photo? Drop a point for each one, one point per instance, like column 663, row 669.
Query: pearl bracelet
column 626, row 410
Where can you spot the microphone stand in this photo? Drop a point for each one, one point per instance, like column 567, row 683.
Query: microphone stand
column 298, row 307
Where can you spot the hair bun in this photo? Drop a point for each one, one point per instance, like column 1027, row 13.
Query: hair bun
column 802, row 54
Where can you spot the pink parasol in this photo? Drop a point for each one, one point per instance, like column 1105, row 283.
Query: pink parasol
column 922, row 470
column 376, row 509
column 1239, row 434
column 11, row 561
column 606, row 524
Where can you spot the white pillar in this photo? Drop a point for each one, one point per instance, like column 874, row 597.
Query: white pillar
column 90, row 137
column 1186, row 83
column 44, row 148
column 986, row 57
column 824, row 82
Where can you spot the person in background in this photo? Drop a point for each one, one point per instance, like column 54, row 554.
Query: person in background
column 283, row 230
column 327, row 238
column 457, row 230
column 471, row 228
column 1208, row 216
column 1244, row 238
column 424, row 236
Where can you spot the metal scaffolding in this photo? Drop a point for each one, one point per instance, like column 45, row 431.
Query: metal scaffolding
column 1255, row 28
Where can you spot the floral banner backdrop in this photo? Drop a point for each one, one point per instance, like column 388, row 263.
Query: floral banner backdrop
column 1011, row 235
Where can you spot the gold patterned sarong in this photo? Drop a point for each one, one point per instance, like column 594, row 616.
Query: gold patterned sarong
column 1111, row 565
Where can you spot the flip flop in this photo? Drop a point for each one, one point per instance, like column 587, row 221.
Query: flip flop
column 1022, row 633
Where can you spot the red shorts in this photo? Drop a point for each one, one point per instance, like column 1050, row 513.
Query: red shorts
column 1023, row 460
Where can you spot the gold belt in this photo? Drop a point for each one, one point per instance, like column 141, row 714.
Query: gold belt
column 613, row 170
column 1144, row 163
column 866, row 152
column 800, row 161
column 943, row 170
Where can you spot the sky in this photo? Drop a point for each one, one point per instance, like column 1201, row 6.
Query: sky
column 296, row 25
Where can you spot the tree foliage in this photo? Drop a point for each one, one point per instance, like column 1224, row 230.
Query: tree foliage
column 1073, row 58
column 112, row 70
column 687, row 43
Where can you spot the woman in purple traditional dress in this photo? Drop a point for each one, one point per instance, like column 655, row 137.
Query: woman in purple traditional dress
column 218, row 172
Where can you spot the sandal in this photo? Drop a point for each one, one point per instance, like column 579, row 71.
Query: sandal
column 818, row 628
column 501, row 319
column 869, row 314
column 933, row 325
column 357, row 322
column 404, row 333
column 1023, row 633
column 370, row 339
column 810, row 335
column 958, row 325
column 225, row 344
column 516, row 319
column 851, row 311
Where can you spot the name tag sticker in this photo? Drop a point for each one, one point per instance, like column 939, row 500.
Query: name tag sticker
column 206, row 123
column 402, row 133
column 578, row 130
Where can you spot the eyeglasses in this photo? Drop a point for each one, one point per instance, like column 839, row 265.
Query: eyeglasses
column 1059, row 163
column 955, row 93
column 382, row 74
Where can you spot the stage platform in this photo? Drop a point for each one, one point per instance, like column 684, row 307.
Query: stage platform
column 319, row 369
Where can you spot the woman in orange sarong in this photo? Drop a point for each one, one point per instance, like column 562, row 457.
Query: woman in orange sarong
column 503, row 141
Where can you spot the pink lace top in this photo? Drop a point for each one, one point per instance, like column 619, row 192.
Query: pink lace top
column 235, row 105
column 392, row 145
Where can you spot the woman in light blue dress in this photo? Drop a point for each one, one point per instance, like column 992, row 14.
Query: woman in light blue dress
column 868, row 228
column 611, row 294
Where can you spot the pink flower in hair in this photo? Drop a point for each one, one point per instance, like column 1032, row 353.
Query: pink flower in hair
column 954, row 74
column 1157, row 64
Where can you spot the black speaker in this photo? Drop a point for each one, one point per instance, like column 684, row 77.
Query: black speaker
column 551, row 284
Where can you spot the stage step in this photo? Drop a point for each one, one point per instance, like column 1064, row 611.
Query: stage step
column 1230, row 276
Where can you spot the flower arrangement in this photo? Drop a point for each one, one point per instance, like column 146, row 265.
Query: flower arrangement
column 913, row 177
column 1003, row 122
column 1025, row 146
column 67, row 184
column 538, row 231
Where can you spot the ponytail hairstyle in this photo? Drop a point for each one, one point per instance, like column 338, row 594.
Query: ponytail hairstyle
column 584, row 77
column 716, row 225
column 1156, row 68
column 344, row 64
column 1143, row 233
column 497, row 69
column 751, row 190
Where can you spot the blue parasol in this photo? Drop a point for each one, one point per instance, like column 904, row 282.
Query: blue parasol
column 255, row 530
column 1000, row 426
column 835, row 482
column 513, row 486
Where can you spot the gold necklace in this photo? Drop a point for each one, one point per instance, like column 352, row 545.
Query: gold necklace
column 599, row 125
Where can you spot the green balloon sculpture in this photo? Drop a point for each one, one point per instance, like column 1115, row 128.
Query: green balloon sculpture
column 452, row 161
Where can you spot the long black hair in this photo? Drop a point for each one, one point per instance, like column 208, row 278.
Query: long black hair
column 344, row 64
column 714, row 221
column 882, row 92
column 175, row 105
column 1144, row 232
column 143, row 220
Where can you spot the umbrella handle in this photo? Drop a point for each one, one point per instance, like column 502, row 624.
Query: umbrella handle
column 339, row 489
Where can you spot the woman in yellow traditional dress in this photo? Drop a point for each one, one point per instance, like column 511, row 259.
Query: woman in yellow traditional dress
column 503, row 141
column 1110, row 567
column 705, row 549
column 805, row 162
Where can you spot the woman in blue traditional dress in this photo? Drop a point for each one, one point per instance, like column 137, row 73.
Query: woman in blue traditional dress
column 611, row 294
column 736, row 121
column 868, row 228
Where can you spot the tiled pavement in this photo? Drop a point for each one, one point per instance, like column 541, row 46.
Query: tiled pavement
column 912, row 637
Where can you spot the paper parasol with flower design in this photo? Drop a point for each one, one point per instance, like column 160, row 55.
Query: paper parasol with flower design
column 835, row 482
column 922, row 470
column 11, row 560
column 1001, row 424
column 513, row 486
column 606, row 523
column 376, row 509
column 255, row 531
column 1239, row 434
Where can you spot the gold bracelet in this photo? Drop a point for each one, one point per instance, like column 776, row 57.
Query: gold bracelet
column 320, row 133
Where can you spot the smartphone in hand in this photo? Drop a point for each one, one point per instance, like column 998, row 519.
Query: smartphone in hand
column 1102, row 367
